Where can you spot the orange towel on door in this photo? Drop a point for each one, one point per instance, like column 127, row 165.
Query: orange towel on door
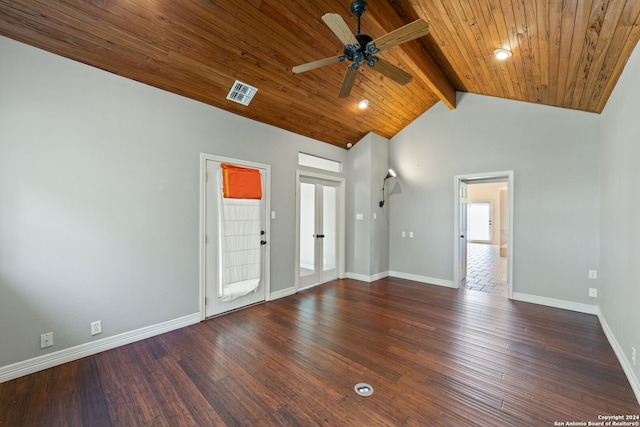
column 241, row 183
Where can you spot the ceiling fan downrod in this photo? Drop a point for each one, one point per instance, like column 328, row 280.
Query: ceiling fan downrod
column 358, row 54
column 358, row 8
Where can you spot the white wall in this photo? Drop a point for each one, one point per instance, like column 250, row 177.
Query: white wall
column 619, row 274
column 554, row 156
column 99, row 199
column 367, row 238
column 359, row 202
column 380, row 217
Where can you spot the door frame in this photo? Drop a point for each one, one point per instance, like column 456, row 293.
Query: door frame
column 204, row 157
column 463, row 200
column 340, row 219
column 476, row 178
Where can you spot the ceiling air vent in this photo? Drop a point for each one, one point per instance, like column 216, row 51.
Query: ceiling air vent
column 241, row 93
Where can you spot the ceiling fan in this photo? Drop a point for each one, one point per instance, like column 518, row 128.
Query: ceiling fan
column 362, row 49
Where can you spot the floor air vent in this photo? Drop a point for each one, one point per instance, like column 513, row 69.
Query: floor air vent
column 241, row 93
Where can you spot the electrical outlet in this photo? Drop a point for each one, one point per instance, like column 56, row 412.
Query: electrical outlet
column 411, row 234
column 593, row 274
column 96, row 327
column 46, row 340
column 404, row 234
column 593, row 292
column 633, row 355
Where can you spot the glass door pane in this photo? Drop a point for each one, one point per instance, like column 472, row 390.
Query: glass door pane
column 307, row 229
column 329, row 228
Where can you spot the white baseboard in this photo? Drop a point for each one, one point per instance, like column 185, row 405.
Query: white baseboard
column 50, row 360
column 368, row 279
column 282, row 293
column 617, row 349
column 556, row 303
column 423, row 279
column 379, row 276
column 360, row 277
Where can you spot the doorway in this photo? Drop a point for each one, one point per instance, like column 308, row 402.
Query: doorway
column 234, row 239
column 483, row 244
column 320, row 230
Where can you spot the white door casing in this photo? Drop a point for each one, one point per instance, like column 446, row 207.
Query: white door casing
column 210, row 303
column 463, row 223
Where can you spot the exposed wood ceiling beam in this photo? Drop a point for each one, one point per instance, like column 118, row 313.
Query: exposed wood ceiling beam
column 420, row 63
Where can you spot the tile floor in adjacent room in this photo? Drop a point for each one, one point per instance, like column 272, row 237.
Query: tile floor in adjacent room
column 486, row 269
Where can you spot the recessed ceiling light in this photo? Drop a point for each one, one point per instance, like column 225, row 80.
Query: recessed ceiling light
column 363, row 104
column 502, row 54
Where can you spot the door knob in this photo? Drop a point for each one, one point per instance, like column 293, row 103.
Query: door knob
column 263, row 242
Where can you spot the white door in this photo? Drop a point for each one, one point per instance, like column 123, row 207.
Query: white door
column 214, row 299
column 480, row 222
column 318, row 232
column 462, row 262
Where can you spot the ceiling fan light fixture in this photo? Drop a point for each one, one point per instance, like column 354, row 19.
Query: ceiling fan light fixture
column 363, row 104
column 502, row 54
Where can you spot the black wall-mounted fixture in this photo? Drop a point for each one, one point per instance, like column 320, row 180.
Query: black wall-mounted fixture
column 390, row 174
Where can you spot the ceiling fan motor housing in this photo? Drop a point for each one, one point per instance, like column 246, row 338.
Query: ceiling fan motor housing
column 358, row 54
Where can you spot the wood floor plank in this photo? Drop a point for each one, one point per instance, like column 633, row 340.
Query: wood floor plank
column 435, row 356
column 91, row 402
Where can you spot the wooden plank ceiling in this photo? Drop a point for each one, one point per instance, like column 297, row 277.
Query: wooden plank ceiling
column 566, row 53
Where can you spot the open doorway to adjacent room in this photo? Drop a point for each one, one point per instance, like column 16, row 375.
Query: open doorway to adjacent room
column 487, row 235
column 483, row 233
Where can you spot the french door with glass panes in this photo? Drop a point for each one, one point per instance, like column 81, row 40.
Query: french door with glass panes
column 318, row 232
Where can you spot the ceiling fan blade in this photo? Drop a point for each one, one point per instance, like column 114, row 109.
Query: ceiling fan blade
column 340, row 28
column 410, row 31
column 396, row 74
column 315, row 64
column 348, row 81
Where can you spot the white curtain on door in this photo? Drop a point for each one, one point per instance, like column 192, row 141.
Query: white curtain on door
column 240, row 252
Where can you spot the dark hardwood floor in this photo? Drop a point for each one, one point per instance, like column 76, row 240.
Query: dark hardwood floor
column 434, row 356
